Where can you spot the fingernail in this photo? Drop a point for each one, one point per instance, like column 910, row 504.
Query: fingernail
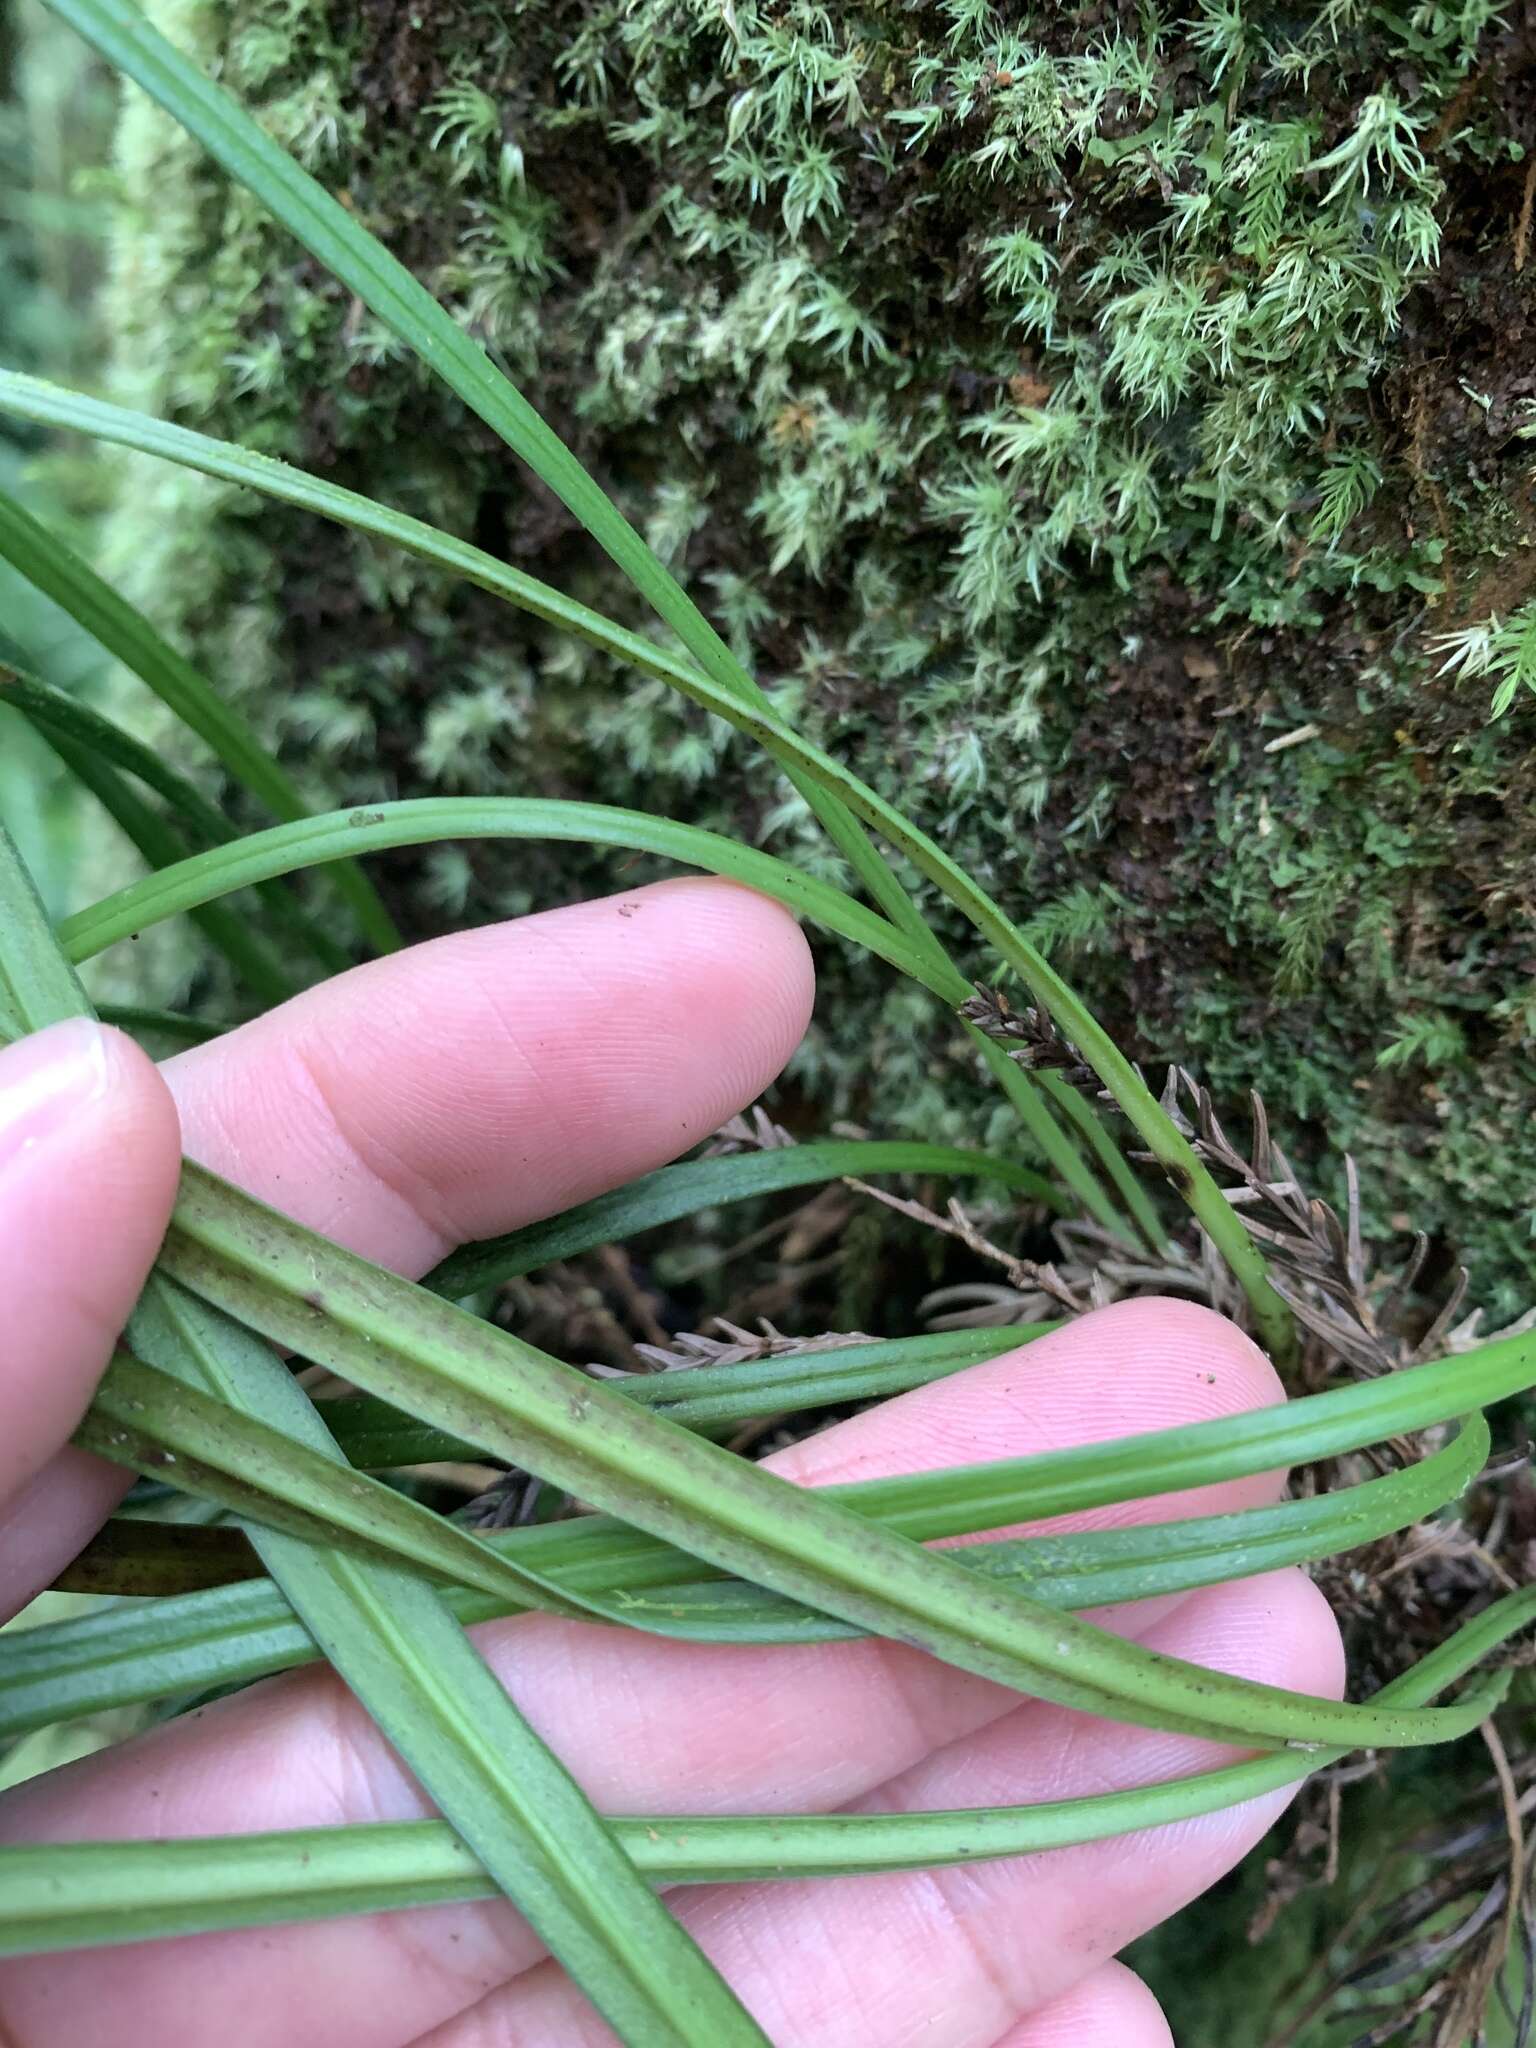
column 46, row 1080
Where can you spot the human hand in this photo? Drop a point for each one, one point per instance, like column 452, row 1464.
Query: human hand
column 451, row 1093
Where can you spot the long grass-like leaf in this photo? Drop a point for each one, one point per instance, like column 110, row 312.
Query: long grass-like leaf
column 1105, row 1567
column 378, row 1437
column 244, row 1630
column 659, row 1588
column 86, row 1894
column 162, row 1025
column 447, row 1367
column 54, row 569
column 285, row 849
column 54, row 712
column 674, row 1191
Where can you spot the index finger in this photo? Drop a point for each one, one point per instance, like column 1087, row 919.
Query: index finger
column 478, row 1082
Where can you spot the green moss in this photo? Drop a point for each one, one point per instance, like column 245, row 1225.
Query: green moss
column 1057, row 407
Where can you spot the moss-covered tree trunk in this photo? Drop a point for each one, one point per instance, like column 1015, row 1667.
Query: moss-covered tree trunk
column 1094, row 426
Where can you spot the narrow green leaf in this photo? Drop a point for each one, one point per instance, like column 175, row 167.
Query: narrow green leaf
column 444, row 1366
column 660, row 1589
column 257, row 969
column 54, row 569
column 55, row 713
column 285, row 849
column 377, row 1437
column 65, row 1670
column 1106, row 1567
column 87, row 1894
column 159, row 1024
column 52, row 405
column 697, row 1184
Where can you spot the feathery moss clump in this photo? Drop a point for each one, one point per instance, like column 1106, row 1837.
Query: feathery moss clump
column 1091, row 420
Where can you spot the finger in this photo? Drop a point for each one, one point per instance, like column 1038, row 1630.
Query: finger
column 646, row 1724
column 973, row 1950
column 89, row 1156
column 51, row 1520
column 1112, row 2008
column 474, row 1083
column 1139, row 1365
column 477, row 1082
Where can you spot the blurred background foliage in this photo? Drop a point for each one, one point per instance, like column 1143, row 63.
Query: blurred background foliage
column 56, row 115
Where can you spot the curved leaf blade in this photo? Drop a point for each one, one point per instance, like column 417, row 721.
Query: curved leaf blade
column 674, row 1191
column 54, row 569
column 246, row 1630
column 447, row 1367
column 88, row 1894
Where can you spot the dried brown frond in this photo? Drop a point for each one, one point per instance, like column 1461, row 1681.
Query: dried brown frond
column 752, row 1131
column 1025, row 1274
column 737, row 1347
column 1029, row 1036
column 984, row 1305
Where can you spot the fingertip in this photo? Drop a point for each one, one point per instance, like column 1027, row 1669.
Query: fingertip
column 1178, row 1348
column 140, row 1129
column 89, row 1162
column 1125, row 1370
column 758, row 946
column 1110, row 2008
column 127, row 1152
column 81, row 1102
column 1132, row 1368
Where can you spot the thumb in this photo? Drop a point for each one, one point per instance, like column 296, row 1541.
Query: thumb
column 90, row 1149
